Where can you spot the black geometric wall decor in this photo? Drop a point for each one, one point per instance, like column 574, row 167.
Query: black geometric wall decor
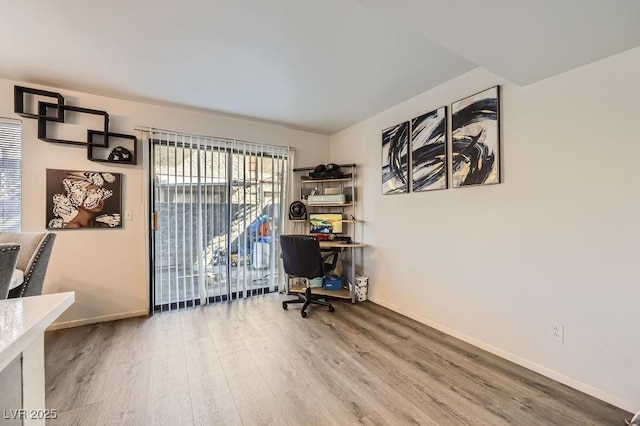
column 43, row 118
column 126, row 153
column 18, row 100
column 45, row 108
column 98, row 141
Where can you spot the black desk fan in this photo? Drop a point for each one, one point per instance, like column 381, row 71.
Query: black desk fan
column 297, row 211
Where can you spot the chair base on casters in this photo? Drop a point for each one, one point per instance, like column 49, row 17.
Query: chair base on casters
column 309, row 299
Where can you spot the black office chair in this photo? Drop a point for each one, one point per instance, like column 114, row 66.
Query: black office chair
column 301, row 257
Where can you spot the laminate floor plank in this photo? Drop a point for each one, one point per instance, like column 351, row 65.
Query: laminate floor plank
column 244, row 378
column 531, row 391
column 226, row 417
column 194, row 325
column 81, row 373
column 250, row 362
column 127, row 396
column 326, row 382
column 306, row 405
column 437, row 400
column 249, row 329
column 372, row 420
column 85, row 415
column 225, row 336
column 134, row 341
column 481, row 387
column 211, row 399
column 169, row 398
column 265, row 411
column 251, row 393
column 274, row 366
column 423, row 372
column 382, row 398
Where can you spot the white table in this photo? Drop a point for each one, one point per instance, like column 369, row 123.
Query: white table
column 22, row 325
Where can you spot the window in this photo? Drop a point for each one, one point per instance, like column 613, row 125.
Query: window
column 10, row 174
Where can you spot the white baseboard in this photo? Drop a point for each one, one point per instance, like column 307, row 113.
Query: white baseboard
column 566, row 380
column 104, row 318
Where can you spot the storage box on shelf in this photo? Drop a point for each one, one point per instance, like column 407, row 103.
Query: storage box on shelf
column 332, row 282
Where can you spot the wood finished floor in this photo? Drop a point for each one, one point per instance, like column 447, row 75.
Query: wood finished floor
column 251, row 362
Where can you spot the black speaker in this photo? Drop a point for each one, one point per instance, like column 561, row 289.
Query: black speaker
column 297, row 211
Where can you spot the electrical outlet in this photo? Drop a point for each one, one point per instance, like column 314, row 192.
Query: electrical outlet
column 556, row 331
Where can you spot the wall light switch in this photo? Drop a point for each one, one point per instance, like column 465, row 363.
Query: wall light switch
column 128, row 215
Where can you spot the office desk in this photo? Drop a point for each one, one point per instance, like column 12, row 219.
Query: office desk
column 340, row 294
column 23, row 321
column 333, row 244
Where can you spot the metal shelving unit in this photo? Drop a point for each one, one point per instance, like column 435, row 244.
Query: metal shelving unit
column 347, row 186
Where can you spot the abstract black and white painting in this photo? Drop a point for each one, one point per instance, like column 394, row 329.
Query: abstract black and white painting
column 395, row 159
column 475, row 134
column 429, row 151
column 79, row 199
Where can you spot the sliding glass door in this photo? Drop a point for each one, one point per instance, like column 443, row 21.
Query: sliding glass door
column 217, row 210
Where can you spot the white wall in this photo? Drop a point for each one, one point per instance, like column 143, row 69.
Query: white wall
column 558, row 240
column 108, row 268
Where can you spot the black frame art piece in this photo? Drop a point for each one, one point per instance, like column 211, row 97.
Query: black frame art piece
column 429, row 151
column 395, row 159
column 81, row 199
column 475, row 134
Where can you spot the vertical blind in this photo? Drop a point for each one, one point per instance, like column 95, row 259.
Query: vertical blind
column 10, row 174
column 219, row 206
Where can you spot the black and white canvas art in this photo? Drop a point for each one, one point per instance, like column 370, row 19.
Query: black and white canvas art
column 395, row 159
column 79, row 199
column 475, row 134
column 429, row 151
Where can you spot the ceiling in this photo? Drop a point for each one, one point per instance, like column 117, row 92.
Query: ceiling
column 308, row 64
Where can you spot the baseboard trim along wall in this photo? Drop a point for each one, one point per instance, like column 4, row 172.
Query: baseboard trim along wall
column 104, row 318
column 566, row 380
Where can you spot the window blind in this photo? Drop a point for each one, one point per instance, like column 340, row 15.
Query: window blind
column 219, row 205
column 10, row 175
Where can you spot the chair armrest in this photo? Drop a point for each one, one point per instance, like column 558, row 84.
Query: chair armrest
column 334, row 261
column 328, row 255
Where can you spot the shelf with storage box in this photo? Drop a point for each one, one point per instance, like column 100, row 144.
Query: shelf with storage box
column 340, row 294
column 331, row 196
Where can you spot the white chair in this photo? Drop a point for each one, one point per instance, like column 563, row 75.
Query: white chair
column 32, row 262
